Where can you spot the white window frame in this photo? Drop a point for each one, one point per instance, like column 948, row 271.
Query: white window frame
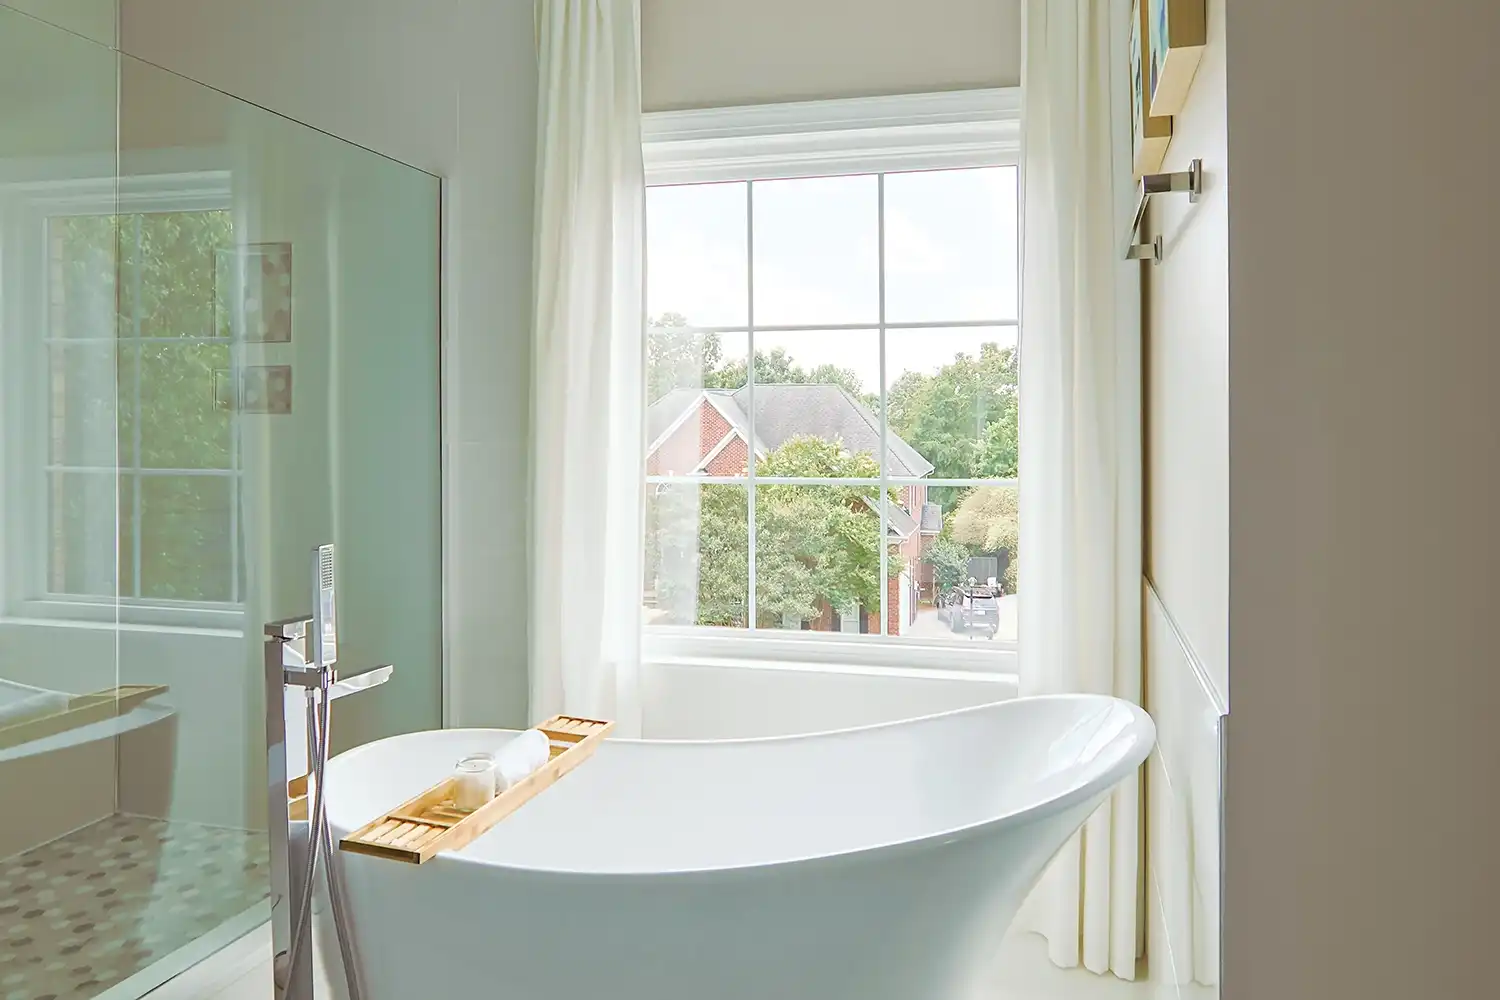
column 875, row 135
column 25, row 213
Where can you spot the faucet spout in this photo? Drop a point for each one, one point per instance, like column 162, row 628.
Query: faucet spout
column 361, row 682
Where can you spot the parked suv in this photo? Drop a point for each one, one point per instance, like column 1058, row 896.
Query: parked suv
column 971, row 609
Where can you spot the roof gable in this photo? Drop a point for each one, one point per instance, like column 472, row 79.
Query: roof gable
column 784, row 410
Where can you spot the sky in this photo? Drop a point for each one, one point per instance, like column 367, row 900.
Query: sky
column 950, row 257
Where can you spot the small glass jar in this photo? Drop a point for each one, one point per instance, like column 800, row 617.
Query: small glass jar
column 473, row 781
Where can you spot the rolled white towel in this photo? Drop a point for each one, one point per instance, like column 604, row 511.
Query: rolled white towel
column 521, row 757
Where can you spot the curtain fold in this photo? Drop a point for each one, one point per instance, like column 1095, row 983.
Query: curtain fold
column 587, row 362
column 1080, row 467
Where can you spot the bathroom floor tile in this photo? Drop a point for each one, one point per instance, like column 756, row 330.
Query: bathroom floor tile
column 88, row 910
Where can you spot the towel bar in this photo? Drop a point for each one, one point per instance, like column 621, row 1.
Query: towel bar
column 1189, row 180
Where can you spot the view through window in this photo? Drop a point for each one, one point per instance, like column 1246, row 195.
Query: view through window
column 832, row 389
column 136, row 436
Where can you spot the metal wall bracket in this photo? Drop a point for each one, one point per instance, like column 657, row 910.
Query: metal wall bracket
column 1189, row 180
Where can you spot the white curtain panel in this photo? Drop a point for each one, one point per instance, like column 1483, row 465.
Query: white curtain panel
column 587, row 354
column 1080, row 472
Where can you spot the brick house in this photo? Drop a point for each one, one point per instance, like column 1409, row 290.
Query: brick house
column 706, row 432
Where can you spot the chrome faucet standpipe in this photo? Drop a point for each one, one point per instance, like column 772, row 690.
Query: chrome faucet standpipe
column 301, row 686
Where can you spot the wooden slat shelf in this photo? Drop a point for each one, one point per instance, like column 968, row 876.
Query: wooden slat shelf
column 422, row 827
column 82, row 710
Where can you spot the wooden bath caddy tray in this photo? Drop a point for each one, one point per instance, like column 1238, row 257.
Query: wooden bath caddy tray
column 420, row 828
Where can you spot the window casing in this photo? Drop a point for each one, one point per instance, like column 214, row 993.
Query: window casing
column 886, row 145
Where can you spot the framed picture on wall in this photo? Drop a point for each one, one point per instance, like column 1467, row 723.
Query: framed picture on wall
column 1177, row 32
column 1150, row 134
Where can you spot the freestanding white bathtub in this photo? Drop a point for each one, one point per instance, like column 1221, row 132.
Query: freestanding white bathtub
column 882, row 863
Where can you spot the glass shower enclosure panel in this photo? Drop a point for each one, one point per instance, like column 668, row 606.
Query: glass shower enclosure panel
column 63, row 722
column 218, row 349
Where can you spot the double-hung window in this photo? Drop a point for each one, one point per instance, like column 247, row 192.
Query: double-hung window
column 832, row 377
column 116, row 351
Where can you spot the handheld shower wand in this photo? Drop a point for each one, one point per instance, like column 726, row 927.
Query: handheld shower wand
column 325, row 630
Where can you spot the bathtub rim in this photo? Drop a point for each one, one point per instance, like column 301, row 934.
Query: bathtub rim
column 1075, row 795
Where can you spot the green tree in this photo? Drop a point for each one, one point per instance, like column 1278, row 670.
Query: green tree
column 677, row 356
column 821, row 543
column 814, row 544
column 159, row 270
column 700, row 555
column 776, row 367
column 168, row 290
column 963, row 418
column 949, row 559
column 988, row 521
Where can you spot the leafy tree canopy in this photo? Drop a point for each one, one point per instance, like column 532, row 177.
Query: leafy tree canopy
column 822, row 543
column 988, row 520
column 963, row 418
column 677, row 356
column 814, row 544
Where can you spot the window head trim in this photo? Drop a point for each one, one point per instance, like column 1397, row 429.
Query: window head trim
column 966, row 128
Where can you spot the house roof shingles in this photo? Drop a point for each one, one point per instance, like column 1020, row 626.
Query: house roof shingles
column 662, row 414
column 932, row 518
column 785, row 410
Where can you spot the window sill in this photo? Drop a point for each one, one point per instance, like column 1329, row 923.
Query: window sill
column 1008, row 681
column 832, row 653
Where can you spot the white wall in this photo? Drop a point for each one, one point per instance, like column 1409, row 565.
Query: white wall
column 1364, row 468
column 719, row 53
column 93, row 19
column 1187, row 364
column 450, row 87
column 1187, row 551
column 1182, row 810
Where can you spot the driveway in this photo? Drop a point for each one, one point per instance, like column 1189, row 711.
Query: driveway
column 929, row 626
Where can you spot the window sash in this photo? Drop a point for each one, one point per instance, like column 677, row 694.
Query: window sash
column 880, row 328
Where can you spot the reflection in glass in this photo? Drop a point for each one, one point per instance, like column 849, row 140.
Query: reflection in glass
column 181, row 426
column 81, row 550
column 81, row 275
column 691, row 419
column 183, row 534
column 81, row 403
column 697, row 555
column 134, row 488
column 167, row 272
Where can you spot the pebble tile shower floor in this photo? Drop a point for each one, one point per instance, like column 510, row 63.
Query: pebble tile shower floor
column 93, row 908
